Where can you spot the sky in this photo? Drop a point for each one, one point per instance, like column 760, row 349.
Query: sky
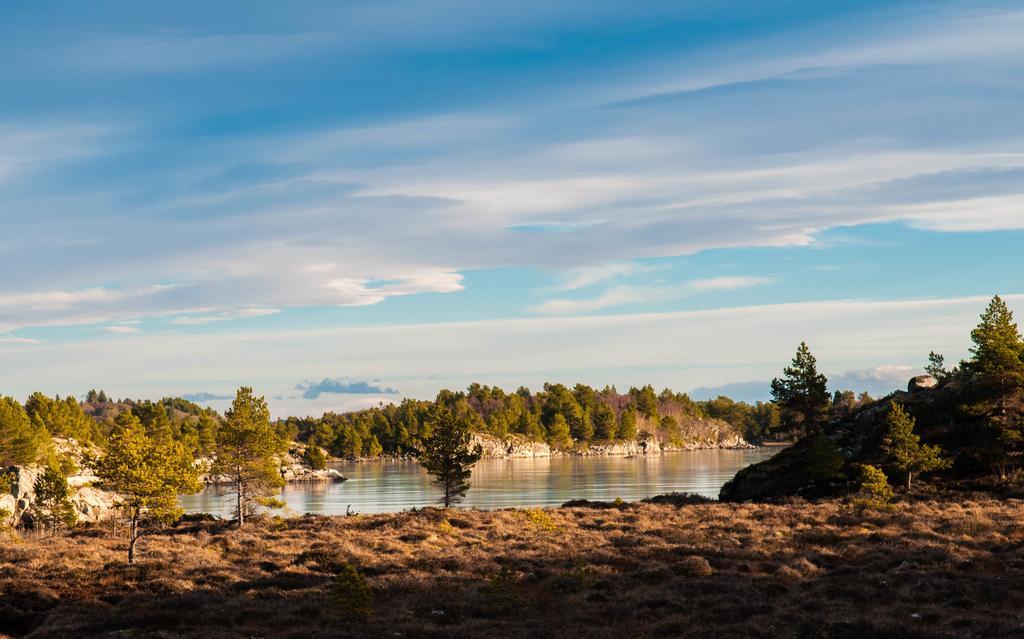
column 345, row 203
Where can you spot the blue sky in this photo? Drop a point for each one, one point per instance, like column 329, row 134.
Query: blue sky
column 344, row 203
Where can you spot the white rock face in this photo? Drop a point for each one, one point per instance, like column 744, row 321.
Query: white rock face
column 294, row 468
column 91, row 503
column 517, row 446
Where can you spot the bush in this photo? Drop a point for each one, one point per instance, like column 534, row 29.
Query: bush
column 540, row 520
column 875, row 491
column 695, row 566
column 350, row 594
column 502, row 592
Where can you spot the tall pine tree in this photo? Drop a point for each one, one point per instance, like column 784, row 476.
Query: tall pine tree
column 802, row 393
column 447, row 454
column 247, row 453
column 998, row 347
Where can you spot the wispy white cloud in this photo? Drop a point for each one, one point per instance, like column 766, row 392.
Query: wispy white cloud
column 120, row 329
column 14, row 340
column 226, row 316
column 649, row 294
column 586, row 276
column 728, row 283
column 363, row 292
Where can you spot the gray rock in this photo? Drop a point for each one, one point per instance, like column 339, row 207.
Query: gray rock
column 922, row 382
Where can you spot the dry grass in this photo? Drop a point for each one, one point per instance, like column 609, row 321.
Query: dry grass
column 926, row 569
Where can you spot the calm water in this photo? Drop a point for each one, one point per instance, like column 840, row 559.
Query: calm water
column 375, row 487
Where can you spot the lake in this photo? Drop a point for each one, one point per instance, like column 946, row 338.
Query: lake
column 391, row 486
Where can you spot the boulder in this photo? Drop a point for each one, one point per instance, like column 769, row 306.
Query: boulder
column 922, row 382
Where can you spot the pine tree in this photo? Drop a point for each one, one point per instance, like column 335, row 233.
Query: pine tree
column 604, row 422
column 447, row 454
column 21, row 442
column 823, row 459
column 247, row 453
column 874, row 491
column 627, row 423
column 802, row 393
column 53, row 499
column 559, row 435
column 998, row 347
column 147, row 476
column 936, row 366
column 904, row 448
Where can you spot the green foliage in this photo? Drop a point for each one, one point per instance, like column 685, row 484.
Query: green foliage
column 627, row 423
column 21, row 442
column 874, row 490
column 540, row 520
column 823, row 459
column 315, row 457
column 147, row 476
column 53, row 499
column 755, row 421
column 351, row 598
column 605, row 426
column 802, row 393
column 447, row 454
column 247, row 452
column 937, row 366
column 904, row 448
column 646, row 401
column 998, row 347
column 996, row 443
column 504, row 591
column 559, row 435
column 62, row 417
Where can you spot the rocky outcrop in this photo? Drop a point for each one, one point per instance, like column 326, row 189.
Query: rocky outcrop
column 91, row 503
column 921, row 382
column 718, row 435
column 293, row 468
column 952, row 415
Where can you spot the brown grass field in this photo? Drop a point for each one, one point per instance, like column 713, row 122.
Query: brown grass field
column 931, row 568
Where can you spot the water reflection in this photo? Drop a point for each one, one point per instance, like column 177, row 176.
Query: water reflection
column 499, row 483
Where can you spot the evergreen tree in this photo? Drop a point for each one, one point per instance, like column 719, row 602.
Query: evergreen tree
column 247, row 453
column 627, row 423
column 147, row 477
column 604, row 422
column 21, row 442
column 802, row 393
column 447, row 454
column 874, row 491
column 646, row 401
column 936, row 366
column 996, row 443
column 998, row 346
column 823, row 459
column 559, row 435
column 671, row 429
column 904, row 448
column 53, row 499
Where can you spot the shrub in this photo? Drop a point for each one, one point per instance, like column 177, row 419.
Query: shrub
column 350, row 595
column 315, row 457
column 875, row 491
column 503, row 592
column 540, row 520
column 694, row 566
